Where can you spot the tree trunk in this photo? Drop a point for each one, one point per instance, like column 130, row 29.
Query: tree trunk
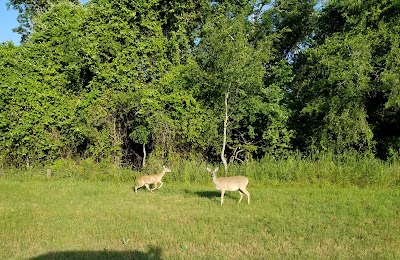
column 27, row 163
column 115, row 140
column 144, row 156
column 223, row 158
column 49, row 173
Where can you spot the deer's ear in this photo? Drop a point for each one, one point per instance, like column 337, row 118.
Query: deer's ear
column 208, row 169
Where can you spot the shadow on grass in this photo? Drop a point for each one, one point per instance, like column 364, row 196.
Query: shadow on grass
column 153, row 253
column 212, row 194
column 207, row 194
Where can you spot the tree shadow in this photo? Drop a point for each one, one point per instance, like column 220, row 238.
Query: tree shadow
column 153, row 253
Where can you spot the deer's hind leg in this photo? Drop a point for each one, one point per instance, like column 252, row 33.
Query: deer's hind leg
column 148, row 187
column 245, row 192
column 137, row 187
column 241, row 196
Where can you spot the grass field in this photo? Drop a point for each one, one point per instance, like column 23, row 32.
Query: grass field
column 70, row 219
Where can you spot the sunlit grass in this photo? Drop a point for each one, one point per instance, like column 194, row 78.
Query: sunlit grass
column 67, row 219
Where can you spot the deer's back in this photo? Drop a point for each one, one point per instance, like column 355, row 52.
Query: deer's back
column 148, row 178
column 232, row 183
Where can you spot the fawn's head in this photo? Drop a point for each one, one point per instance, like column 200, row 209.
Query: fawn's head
column 166, row 169
column 212, row 172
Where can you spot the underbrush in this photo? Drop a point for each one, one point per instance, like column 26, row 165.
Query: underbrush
column 320, row 171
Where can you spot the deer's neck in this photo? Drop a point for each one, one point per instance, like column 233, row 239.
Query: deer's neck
column 214, row 178
column 161, row 174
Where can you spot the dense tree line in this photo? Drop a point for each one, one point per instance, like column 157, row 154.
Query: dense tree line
column 231, row 80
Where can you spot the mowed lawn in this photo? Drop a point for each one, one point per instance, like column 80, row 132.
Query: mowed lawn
column 69, row 219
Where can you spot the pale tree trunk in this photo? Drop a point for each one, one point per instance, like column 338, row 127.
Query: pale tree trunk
column 144, row 156
column 116, row 141
column 27, row 163
column 223, row 158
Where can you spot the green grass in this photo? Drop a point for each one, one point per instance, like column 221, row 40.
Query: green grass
column 71, row 219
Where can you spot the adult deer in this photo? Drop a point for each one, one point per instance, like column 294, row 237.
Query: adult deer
column 154, row 179
column 233, row 183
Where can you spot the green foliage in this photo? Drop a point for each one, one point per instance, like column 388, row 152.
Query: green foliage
column 98, row 81
column 342, row 92
column 293, row 23
column 342, row 87
column 29, row 10
column 231, row 62
column 34, row 116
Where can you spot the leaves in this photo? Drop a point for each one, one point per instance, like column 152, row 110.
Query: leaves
column 100, row 80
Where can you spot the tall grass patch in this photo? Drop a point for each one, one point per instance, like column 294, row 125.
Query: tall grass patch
column 292, row 170
column 323, row 171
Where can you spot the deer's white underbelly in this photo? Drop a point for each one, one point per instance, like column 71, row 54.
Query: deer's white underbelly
column 228, row 188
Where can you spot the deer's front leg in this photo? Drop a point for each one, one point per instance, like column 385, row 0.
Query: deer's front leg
column 147, row 187
column 155, row 186
column 222, row 196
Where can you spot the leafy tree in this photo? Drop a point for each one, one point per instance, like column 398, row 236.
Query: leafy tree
column 133, row 49
column 118, row 80
column 293, row 23
column 35, row 117
column 233, row 73
column 28, row 11
column 342, row 92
